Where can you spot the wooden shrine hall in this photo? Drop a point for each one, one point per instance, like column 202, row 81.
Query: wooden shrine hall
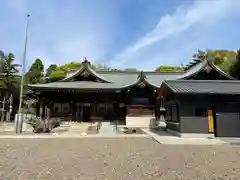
column 86, row 94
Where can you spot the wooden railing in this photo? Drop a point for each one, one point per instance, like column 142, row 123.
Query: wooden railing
column 131, row 111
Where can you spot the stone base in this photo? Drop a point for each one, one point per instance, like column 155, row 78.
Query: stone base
column 190, row 135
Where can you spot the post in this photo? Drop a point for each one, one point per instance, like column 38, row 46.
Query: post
column 3, row 110
column 19, row 129
column 41, row 110
column 10, row 108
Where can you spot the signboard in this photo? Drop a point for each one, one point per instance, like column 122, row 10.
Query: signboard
column 210, row 121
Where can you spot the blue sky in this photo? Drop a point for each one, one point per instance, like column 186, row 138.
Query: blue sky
column 119, row 33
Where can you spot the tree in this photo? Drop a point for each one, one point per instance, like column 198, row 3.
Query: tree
column 235, row 67
column 1, row 59
column 38, row 64
column 169, row 68
column 59, row 72
column 69, row 66
column 57, row 75
column 9, row 71
column 50, row 69
column 221, row 57
column 1, row 53
column 10, row 80
column 35, row 73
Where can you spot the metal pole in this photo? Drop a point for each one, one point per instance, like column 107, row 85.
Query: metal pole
column 23, row 70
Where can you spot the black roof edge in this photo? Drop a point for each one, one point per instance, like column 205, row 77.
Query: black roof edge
column 165, row 84
column 199, row 81
column 86, row 66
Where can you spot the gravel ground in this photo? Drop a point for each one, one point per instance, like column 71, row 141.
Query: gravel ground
column 114, row 159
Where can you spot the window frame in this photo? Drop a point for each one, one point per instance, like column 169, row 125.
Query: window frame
column 200, row 111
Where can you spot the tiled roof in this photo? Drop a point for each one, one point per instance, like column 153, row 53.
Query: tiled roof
column 78, row 85
column 203, row 86
column 205, row 64
column 125, row 79
column 85, row 67
column 115, row 80
column 130, row 78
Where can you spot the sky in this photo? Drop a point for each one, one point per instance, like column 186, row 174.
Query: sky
column 139, row 34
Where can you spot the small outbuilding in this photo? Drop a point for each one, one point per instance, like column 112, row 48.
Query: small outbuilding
column 202, row 108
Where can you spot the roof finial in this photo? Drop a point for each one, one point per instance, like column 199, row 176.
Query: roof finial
column 141, row 75
column 86, row 61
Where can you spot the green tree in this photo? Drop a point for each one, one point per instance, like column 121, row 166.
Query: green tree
column 235, row 67
column 69, row 66
column 169, row 68
column 9, row 79
column 221, row 57
column 35, row 73
column 50, row 69
column 38, row 64
column 9, row 71
column 60, row 71
column 57, row 75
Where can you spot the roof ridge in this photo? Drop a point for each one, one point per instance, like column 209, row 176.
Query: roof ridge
column 122, row 72
column 199, row 81
column 136, row 72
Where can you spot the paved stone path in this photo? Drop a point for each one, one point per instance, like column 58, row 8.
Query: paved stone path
column 166, row 138
column 115, row 159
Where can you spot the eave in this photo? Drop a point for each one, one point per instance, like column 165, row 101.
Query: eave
column 207, row 63
column 85, row 68
column 141, row 81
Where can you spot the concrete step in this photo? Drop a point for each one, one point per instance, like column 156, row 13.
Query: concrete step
column 107, row 129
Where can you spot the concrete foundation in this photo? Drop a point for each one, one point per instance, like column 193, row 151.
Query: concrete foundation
column 190, row 135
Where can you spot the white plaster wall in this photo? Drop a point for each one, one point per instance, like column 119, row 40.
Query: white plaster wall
column 138, row 121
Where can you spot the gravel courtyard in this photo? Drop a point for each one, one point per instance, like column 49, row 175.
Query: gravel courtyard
column 114, row 159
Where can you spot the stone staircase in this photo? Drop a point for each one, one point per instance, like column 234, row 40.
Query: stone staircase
column 107, row 129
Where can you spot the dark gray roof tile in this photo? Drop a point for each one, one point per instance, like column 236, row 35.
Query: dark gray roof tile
column 204, row 86
column 77, row 85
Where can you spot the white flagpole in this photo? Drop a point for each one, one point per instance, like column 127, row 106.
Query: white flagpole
column 23, row 72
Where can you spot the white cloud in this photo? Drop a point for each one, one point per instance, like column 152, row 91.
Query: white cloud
column 170, row 25
column 58, row 34
column 68, row 48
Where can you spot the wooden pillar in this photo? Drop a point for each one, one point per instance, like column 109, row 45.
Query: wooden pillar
column 41, row 110
column 38, row 108
column 72, row 110
column 51, row 109
column 47, row 110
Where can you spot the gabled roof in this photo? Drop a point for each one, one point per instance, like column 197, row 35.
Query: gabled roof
column 127, row 79
column 132, row 78
column 205, row 65
column 85, row 70
column 203, row 86
column 119, row 80
column 140, row 81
